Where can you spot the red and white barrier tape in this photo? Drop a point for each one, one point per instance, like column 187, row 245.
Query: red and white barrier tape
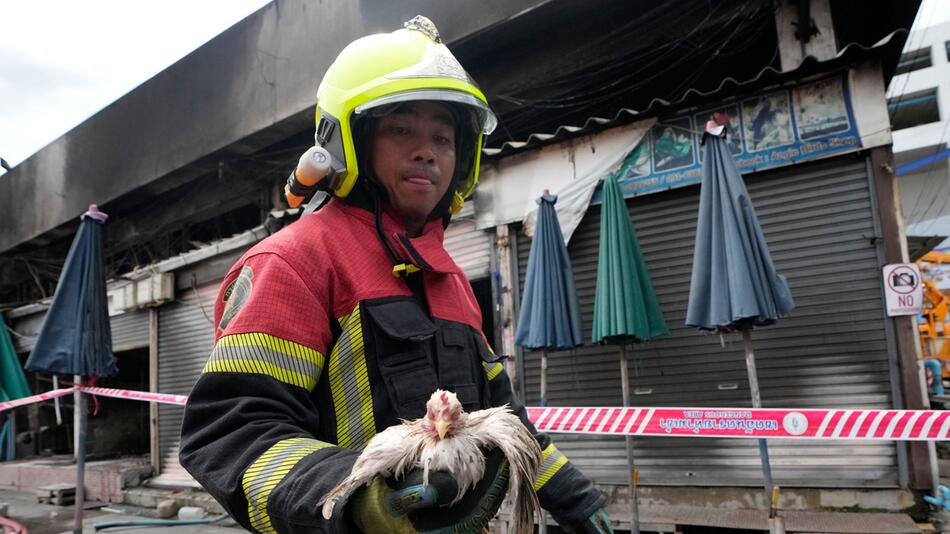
column 6, row 405
column 900, row 425
column 887, row 425
column 146, row 396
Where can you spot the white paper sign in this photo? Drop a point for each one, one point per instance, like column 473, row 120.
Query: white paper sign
column 902, row 289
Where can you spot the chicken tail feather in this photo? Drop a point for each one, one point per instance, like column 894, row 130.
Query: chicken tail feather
column 331, row 498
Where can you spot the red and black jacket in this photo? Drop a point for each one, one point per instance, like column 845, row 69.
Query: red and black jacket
column 318, row 347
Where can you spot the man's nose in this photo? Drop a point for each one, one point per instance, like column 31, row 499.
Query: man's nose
column 424, row 150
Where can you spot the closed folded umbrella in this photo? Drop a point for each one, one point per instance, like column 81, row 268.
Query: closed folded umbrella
column 12, row 380
column 550, row 317
column 625, row 306
column 734, row 283
column 12, row 386
column 75, row 338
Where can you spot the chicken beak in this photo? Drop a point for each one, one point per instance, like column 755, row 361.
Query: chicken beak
column 442, row 426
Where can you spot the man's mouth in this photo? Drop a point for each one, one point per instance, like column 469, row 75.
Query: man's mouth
column 419, row 180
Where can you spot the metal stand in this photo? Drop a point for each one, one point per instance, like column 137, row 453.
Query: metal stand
column 544, row 377
column 543, row 525
column 631, row 472
column 757, row 403
column 79, row 442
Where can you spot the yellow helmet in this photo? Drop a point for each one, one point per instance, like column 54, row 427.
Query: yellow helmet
column 383, row 69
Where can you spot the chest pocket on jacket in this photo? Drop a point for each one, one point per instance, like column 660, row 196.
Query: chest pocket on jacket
column 402, row 335
column 459, row 363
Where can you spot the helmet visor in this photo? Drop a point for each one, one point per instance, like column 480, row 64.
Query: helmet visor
column 483, row 114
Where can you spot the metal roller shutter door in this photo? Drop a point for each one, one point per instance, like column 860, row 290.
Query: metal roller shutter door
column 129, row 331
column 185, row 337
column 25, row 330
column 469, row 247
column 832, row 352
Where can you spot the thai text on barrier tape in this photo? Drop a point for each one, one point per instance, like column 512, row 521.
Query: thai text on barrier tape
column 902, row 425
column 885, row 425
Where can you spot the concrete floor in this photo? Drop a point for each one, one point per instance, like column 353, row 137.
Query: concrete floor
column 50, row 519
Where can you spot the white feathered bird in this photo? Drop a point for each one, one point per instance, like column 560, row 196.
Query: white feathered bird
column 448, row 439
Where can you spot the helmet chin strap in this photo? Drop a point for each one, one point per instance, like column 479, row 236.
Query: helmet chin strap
column 368, row 186
column 401, row 266
column 441, row 209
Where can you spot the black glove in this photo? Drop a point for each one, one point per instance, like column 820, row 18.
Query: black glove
column 384, row 505
column 477, row 507
column 406, row 507
column 597, row 523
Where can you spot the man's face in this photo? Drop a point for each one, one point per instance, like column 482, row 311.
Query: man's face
column 414, row 158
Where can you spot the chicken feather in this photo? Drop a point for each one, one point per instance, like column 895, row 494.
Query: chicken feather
column 450, row 440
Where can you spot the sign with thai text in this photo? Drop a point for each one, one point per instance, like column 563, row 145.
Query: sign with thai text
column 767, row 130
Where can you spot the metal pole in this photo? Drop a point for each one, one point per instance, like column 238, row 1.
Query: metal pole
column 544, row 377
column 79, row 443
column 59, row 414
column 153, row 326
column 631, row 472
column 757, row 403
column 543, row 526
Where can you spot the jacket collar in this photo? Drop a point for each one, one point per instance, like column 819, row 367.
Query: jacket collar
column 426, row 251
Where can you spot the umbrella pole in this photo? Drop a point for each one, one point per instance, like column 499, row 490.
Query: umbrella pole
column 543, row 526
column 631, row 472
column 79, row 442
column 757, row 403
column 544, row 377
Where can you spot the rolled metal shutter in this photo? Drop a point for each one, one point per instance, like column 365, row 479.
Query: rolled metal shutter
column 129, row 331
column 468, row 246
column 25, row 329
column 832, row 352
column 185, row 337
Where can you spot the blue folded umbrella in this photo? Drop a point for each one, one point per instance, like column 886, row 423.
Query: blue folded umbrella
column 75, row 338
column 550, row 316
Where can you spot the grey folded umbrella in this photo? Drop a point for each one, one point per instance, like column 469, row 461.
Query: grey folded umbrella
column 734, row 284
column 734, row 281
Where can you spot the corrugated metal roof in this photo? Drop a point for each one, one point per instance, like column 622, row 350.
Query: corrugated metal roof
column 809, row 65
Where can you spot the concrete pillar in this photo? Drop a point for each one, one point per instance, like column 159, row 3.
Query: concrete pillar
column 793, row 49
column 905, row 327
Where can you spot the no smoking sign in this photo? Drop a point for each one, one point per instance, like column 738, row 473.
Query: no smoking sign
column 902, row 289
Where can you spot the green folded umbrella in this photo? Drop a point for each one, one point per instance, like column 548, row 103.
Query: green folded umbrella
column 12, row 380
column 12, row 386
column 625, row 306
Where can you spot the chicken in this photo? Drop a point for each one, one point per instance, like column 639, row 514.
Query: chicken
column 448, row 439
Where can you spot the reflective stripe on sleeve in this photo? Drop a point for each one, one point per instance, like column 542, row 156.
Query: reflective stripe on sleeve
column 493, row 369
column 552, row 463
column 349, row 385
column 258, row 353
column 267, row 471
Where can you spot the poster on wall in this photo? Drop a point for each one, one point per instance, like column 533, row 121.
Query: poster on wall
column 767, row 130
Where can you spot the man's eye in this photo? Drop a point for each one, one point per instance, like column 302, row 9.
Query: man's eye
column 399, row 130
column 443, row 140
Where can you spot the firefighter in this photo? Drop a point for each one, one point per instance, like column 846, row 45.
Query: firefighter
column 344, row 322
